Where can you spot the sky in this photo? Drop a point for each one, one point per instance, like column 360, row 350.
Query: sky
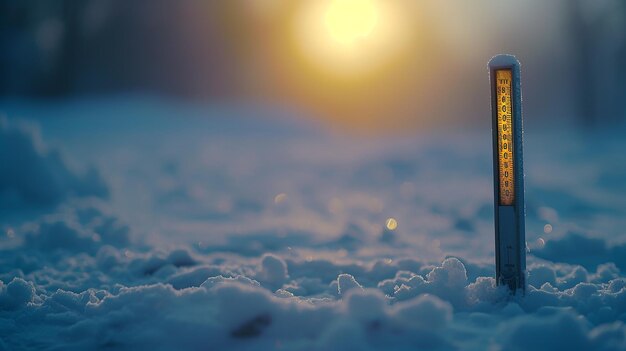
column 357, row 66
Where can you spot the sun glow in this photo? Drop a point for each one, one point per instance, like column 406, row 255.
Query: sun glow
column 348, row 37
column 349, row 20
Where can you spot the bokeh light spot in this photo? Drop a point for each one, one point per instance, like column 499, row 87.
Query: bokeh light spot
column 391, row 223
column 280, row 198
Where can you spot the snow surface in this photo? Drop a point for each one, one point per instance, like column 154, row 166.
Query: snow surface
column 146, row 224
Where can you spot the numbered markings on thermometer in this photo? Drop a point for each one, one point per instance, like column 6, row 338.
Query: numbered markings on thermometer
column 505, row 137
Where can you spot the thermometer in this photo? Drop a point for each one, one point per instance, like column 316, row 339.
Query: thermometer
column 508, row 172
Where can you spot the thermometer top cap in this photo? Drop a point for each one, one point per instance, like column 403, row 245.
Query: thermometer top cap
column 503, row 61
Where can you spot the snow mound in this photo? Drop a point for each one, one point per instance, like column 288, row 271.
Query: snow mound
column 35, row 175
column 210, row 300
column 16, row 294
column 346, row 282
column 273, row 271
column 83, row 228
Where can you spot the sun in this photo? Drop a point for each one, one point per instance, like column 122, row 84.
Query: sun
column 349, row 38
column 349, row 20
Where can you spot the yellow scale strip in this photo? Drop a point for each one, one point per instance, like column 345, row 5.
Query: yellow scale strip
column 505, row 136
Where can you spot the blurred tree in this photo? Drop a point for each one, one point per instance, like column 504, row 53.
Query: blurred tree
column 63, row 47
column 598, row 38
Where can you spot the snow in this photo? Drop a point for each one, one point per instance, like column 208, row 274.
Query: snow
column 503, row 60
column 345, row 283
column 227, row 232
column 273, row 271
column 35, row 175
column 16, row 294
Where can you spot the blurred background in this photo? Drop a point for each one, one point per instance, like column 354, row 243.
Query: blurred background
column 356, row 65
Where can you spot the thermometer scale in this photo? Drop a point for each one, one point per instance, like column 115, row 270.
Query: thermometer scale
column 508, row 172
